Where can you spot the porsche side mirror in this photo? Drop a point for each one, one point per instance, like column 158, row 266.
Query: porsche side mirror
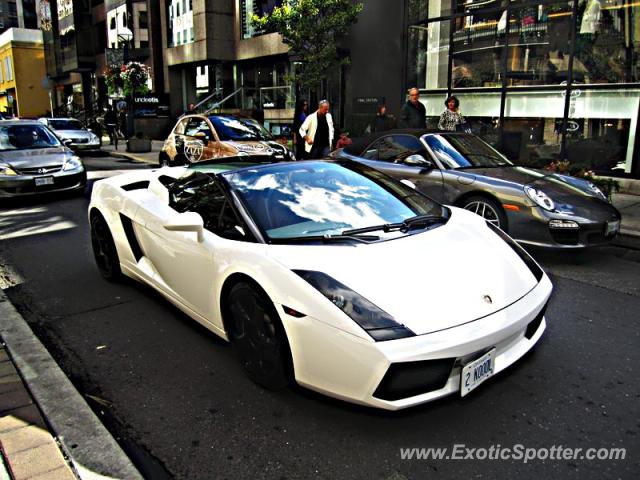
column 417, row 160
column 186, row 222
column 67, row 142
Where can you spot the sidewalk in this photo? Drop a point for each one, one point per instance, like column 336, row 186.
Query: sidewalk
column 148, row 157
column 47, row 430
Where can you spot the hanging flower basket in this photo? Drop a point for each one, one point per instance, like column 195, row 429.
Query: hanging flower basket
column 127, row 80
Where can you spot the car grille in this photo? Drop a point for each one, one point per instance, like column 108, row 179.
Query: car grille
column 80, row 140
column 565, row 236
column 39, row 170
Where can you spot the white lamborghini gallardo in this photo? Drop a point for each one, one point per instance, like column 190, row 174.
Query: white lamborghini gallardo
column 326, row 273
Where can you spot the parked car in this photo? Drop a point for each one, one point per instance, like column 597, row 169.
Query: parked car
column 33, row 160
column 326, row 273
column 79, row 138
column 197, row 138
column 534, row 206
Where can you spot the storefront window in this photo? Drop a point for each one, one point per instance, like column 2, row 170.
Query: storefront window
column 478, row 42
column 607, row 42
column 601, row 129
column 532, row 131
column 539, row 44
column 482, row 112
column 434, row 106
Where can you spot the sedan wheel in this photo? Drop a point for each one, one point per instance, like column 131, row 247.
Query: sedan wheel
column 104, row 249
column 258, row 337
column 487, row 209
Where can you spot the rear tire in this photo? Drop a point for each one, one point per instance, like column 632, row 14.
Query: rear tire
column 488, row 209
column 104, row 249
column 258, row 337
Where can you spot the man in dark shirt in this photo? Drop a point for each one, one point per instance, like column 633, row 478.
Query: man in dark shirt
column 413, row 114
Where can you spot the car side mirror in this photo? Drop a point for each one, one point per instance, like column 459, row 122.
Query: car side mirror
column 187, row 222
column 417, row 160
column 67, row 142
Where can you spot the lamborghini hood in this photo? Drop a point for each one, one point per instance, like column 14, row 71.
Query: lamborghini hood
column 430, row 281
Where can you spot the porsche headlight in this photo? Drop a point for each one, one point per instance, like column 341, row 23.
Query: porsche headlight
column 596, row 191
column 539, row 198
column 376, row 322
column 6, row 170
column 72, row 163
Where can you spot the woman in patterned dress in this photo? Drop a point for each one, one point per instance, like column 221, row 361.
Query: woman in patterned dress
column 450, row 118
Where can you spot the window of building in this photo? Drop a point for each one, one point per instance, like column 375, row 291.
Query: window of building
column 8, row 69
column 112, row 24
column 1, row 73
column 143, row 19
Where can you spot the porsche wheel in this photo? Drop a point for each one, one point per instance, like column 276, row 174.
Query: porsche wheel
column 258, row 337
column 104, row 249
column 488, row 209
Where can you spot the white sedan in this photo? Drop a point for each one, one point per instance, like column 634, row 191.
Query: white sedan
column 327, row 273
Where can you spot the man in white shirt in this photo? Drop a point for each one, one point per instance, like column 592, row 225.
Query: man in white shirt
column 317, row 131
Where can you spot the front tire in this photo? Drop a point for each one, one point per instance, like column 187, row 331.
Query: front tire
column 488, row 209
column 104, row 249
column 258, row 337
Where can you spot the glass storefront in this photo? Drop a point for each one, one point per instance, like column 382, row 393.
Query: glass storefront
column 543, row 81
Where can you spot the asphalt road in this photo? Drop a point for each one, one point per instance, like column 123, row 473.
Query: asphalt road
column 175, row 397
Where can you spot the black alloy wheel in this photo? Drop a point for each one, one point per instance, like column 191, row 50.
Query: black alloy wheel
column 258, row 337
column 488, row 209
column 104, row 249
column 164, row 160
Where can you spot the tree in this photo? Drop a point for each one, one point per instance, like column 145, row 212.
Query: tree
column 312, row 29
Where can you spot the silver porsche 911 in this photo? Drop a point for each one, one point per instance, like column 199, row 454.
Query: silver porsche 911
column 535, row 207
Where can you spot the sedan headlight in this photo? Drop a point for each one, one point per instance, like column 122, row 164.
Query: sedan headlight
column 376, row 322
column 6, row 170
column 539, row 198
column 93, row 138
column 73, row 163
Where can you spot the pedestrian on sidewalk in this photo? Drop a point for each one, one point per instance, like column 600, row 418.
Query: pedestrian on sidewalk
column 317, row 131
column 111, row 122
column 299, row 116
column 413, row 114
column 382, row 122
column 343, row 140
column 451, row 119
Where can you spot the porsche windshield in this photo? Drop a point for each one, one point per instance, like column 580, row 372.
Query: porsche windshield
column 464, row 151
column 26, row 136
column 324, row 199
column 238, row 129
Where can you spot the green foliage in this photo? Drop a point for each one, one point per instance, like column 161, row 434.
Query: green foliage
column 312, row 29
column 130, row 79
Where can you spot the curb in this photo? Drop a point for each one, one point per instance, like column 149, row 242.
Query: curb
column 94, row 453
column 130, row 156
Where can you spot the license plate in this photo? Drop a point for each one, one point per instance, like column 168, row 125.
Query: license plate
column 612, row 228
column 44, row 181
column 476, row 372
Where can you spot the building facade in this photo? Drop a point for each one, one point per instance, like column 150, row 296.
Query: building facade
column 23, row 81
column 543, row 81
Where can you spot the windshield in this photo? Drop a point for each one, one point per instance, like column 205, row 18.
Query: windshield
column 59, row 124
column 464, row 151
column 235, row 128
column 23, row 137
column 311, row 199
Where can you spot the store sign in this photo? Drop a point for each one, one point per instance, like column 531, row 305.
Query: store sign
column 151, row 106
column 365, row 104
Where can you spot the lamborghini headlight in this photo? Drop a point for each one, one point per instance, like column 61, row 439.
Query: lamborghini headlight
column 72, row 163
column 539, row 198
column 376, row 322
column 6, row 170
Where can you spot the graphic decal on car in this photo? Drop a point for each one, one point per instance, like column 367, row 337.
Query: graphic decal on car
column 193, row 150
